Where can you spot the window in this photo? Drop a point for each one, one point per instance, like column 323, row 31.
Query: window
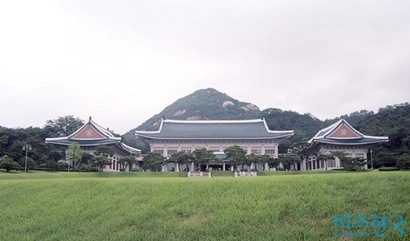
column 270, row 151
column 256, row 151
column 213, row 149
column 172, row 152
column 159, row 152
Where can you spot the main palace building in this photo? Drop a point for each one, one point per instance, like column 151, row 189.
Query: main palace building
column 174, row 136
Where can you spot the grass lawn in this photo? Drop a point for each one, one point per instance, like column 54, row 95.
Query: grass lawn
column 165, row 206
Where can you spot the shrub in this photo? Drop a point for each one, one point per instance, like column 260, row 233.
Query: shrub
column 386, row 169
column 9, row 164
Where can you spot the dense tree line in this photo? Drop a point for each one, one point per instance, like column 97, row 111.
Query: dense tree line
column 44, row 155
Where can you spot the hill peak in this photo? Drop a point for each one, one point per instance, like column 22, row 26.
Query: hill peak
column 204, row 104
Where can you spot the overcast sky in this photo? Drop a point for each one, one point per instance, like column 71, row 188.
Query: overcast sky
column 123, row 61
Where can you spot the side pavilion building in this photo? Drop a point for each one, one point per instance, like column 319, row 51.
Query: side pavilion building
column 90, row 136
column 174, row 136
column 340, row 136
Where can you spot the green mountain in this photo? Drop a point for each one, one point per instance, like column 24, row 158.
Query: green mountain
column 204, row 104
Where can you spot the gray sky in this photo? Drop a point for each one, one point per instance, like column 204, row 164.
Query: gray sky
column 123, row 61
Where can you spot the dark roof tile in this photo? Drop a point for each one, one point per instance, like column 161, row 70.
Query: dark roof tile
column 233, row 129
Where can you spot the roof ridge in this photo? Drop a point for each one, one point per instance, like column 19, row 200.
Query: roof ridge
column 325, row 133
column 104, row 131
column 213, row 121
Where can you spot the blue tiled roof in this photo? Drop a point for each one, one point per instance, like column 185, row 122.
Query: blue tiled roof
column 107, row 138
column 361, row 141
column 243, row 129
column 324, row 136
column 67, row 142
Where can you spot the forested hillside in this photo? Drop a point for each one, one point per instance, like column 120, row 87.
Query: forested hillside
column 392, row 121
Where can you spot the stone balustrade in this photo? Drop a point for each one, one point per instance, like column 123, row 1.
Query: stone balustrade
column 199, row 174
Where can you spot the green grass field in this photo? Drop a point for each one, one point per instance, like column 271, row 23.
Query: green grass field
column 166, row 206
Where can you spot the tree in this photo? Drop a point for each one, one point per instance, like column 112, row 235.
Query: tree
column 31, row 164
column 348, row 163
column 384, row 157
column 293, row 160
column 104, row 150
column 181, row 158
column 252, row 159
column 9, row 164
column 325, row 157
column 273, row 162
column 62, row 164
column 235, row 155
column 204, row 156
column 63, row 126
column 263, row 160
column 404, row 162
column 289, row 161
column 100, row 162
column 282, row 160
column 102, row 153
column 342, row 156
column 153, row 161
column 354, row 164
column 127, row 161
column 74, row 153
column 51, row 165
column 53, row 153
column 189, row 160
column 86, row 158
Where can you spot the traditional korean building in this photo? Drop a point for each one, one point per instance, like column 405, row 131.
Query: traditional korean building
column 173, row 136
column 90, row 136
column 340, row 136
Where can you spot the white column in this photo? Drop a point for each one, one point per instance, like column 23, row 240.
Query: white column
column 337, row 162
column 303, row 165
column 266, row 167
column 165, row 151
column 223, row 167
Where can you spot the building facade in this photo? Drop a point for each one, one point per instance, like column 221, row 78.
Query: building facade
column 91, row 135
column 174, row 136
column 340, row 136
